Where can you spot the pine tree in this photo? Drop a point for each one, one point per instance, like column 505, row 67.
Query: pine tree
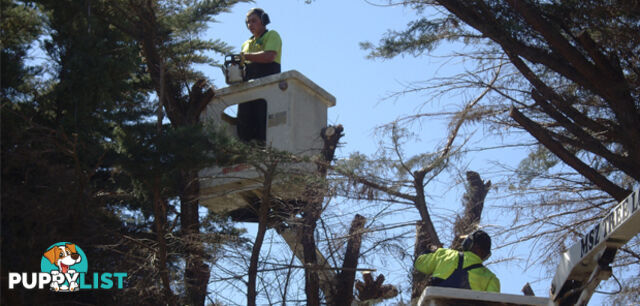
column 57, row 127
column 168, row 33
column 85, row 154
column 566, row 73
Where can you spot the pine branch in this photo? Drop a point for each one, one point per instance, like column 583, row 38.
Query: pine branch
column 542, row 135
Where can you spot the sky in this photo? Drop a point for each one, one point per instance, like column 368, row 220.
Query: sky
column 321, row 41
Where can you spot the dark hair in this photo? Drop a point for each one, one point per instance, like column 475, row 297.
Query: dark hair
column 482, row 240
column 264, row 18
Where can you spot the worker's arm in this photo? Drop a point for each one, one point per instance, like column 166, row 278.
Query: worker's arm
column 426, row 263
column 261, row 57
column 494, row 285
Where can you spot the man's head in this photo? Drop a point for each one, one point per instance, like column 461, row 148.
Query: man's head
column 479, row 243
column 257, row 21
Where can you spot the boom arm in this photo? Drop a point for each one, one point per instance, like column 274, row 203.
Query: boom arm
column 586, row 263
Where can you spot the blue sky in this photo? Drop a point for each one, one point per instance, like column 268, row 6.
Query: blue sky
column 322, row 43
column 321, row 40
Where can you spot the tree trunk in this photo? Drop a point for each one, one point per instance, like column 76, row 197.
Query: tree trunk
column 160, row 221
column 427, row 232
column 263, row 215
column 347, row 276
column 426, row 235
column 197, row 271
column 311, row 213
column 292, row 235
column 180, row 113
column 473, row 201
column 196, row 275
column 420, row 280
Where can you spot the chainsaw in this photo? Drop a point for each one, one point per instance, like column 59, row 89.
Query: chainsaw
column 233, row 68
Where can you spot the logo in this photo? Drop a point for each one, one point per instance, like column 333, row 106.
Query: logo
column 64, row 268
column 64, row 259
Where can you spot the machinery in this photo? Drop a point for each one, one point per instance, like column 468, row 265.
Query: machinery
column 296, row 112
column 233, row 69
column 580, row 271
column 586, row 263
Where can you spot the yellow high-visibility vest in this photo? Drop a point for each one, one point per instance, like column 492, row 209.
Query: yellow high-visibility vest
column 443, row 262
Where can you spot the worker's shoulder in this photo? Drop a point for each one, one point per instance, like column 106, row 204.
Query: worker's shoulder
column 447, row 251
column 484, row 272
column 439, row 254
column 446, row 254
column 272, row 34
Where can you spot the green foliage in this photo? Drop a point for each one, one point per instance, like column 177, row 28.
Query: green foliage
column 568, row 75
column 147, row 156
column 536, row 165
column 56, row 128
column 421, row 36
column 179, row 26
column 79, row 149
column 20, row 25
column 499, row 32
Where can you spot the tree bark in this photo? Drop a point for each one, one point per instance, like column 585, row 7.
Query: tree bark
column 160, row 215
column 556, row 148
column 347, row 276
column 160, row 220
column 180, row 113
column 426, row 234
column 473, row 202
column 311, row 213
column 196, row 275
column 591, row 69
column 420, row 280
column 263, row 216
column 556, row 107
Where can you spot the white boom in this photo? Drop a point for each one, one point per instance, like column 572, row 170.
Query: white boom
column 579, row 273
column 586, row 263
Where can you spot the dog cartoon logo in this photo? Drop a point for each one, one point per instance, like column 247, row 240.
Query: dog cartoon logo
column 64, row 261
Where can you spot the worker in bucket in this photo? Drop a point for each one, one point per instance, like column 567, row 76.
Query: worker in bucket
column 461, row 269
column 262, row 54
column 263, row 50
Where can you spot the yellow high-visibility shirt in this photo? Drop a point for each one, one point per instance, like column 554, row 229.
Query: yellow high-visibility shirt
column 269, row 41
column 443, row 262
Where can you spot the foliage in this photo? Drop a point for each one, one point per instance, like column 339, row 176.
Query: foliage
column 569, row 74
column 20, row 25
column 80, row 153
column 55, row 133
